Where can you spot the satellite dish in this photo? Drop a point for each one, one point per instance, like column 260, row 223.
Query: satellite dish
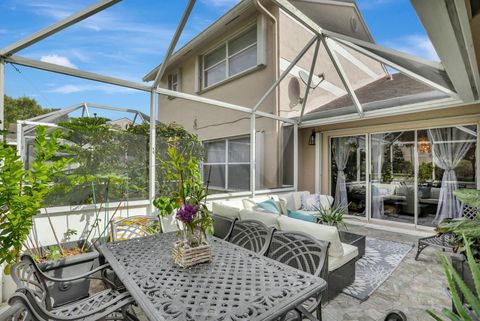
column 293, row 92
column 315, row 82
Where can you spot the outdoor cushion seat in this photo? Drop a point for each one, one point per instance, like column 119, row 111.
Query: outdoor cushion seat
column 269, row 219
column 225, row 210
column 350, row 252
column 318, row 231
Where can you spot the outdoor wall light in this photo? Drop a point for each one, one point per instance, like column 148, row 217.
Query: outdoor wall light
column 311, row 139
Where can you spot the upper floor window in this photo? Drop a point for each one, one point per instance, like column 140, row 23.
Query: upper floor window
column 174, row 81
column 230, row 58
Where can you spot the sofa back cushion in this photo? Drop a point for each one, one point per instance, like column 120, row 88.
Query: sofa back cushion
column 318, row 231
column 225, row 210
column 269, row 219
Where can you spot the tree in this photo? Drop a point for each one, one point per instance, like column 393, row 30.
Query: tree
column 22, row 108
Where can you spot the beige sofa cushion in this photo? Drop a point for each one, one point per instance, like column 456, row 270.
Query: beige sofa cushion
column 318, row 231
column 269, row 219
column 225, row 210
column 350, row 252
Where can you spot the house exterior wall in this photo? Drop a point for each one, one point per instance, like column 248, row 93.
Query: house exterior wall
column 469, row 114
column 211, row 123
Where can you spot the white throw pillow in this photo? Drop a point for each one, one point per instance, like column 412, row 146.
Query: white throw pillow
column 225, row 210
column 310, row 202
column 318, row 231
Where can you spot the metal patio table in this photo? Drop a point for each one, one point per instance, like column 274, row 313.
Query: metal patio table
column 237, row 285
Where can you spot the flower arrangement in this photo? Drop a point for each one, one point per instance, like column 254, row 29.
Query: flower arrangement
column 185, row 196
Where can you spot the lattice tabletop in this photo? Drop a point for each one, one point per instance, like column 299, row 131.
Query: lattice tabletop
column 236, row 285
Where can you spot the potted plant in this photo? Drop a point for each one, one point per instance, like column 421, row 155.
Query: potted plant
column 186, row 196
column 332, row 215
column 21, row 194
column 466, row 303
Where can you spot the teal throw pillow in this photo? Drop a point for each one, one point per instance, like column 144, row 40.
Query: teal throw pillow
column 269, row 206
column 301, row 216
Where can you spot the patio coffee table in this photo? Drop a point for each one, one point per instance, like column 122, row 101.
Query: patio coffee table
column 355, row 240
column 237, row 285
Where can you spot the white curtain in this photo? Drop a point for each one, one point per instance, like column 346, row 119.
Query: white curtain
column 449, row 147
column 378, row 158
column 341, row 148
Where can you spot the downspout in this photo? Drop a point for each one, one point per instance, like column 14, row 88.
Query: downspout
column 269, row 15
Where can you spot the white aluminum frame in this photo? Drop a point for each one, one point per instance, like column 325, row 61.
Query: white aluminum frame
column 8, row 55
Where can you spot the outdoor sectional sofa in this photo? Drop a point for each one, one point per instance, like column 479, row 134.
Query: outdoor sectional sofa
column 341, row 257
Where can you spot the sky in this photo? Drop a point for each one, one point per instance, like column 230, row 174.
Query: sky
column 130, row 38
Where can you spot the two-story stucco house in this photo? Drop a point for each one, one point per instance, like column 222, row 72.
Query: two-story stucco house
column 387, row 157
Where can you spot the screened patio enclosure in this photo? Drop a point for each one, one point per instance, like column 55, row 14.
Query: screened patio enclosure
column 260, row 153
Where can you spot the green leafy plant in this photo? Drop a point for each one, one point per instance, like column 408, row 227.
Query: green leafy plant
column 332, row 215
column 22, row 191
column 456, row 284
column 184, row 191
column 464, row 229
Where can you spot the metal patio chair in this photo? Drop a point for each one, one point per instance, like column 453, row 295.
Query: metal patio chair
column 251, row 235
column 307, row 254
column 33, row 294
column 222, row 226
column 16, row 312
column 135, row 226
column 443, row 241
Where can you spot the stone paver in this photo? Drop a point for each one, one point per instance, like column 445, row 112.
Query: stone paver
column 413, row 288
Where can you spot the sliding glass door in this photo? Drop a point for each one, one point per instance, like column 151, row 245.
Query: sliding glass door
column 392, row 176
column 447, row 161
column 348, row 174
column 412, row 174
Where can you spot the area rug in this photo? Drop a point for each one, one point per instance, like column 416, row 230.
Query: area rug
column 381, row 259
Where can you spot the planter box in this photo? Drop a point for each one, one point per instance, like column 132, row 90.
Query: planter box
column 66, row 292
column 461, row 266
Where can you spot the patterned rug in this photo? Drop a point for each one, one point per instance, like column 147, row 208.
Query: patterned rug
column 381, row 259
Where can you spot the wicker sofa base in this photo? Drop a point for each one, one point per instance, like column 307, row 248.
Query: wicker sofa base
column 340, row 279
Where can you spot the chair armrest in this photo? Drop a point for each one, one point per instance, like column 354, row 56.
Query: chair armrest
column 25, row 296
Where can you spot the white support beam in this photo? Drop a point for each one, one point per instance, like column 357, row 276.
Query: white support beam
column 221, row 104
column 134, row 85
column 295, row 157
column 253, row 155
column 309, row 82
column 318, row 162
column 285, row 73
column 299, row 16
column 152, row 152
column 173, row 43
column 396, row 66
column 343, row 76
column 2, row 94
column 448, row 27
column 32, row 63
column 65, row 23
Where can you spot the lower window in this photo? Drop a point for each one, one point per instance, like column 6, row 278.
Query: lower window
column 227, row 165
